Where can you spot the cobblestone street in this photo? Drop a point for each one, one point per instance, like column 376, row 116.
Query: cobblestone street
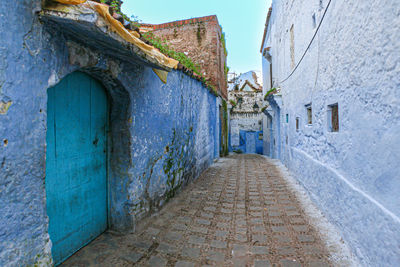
column 240, row 212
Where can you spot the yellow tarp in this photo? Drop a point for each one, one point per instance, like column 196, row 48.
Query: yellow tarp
column 162, row 74
column 71, row 2
column 124, row 33
column 129, row 36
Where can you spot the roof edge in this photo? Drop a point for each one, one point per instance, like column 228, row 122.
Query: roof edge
column 266, row 28
column 178, row 23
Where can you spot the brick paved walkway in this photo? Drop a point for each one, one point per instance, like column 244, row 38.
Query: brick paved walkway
column 238, row 213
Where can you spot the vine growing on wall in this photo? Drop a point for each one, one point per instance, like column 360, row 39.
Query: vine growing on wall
column 164, row 48
column 270, row 92
column 224, row 129
column 223, row 42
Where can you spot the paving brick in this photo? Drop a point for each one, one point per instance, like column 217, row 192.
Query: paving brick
column 215, row 256
column 190, row 252
column 279, row 229
column 274, row 213
column 259, row 238
column 221, row 233
column 197, row 229
column 180, row 226
column 132, row 257
column 259, row 250
column 210, row 208
column 275, row 220
column 145, row 245
column 300, row 228
column 292, row 213
column 262, row 263
column 175, row 236
column 157, row 261
column 258, row 229
column 241, row 238
column 167, row 248
column 286, row 250
column 218, row 244
column 256, row 220
column 239, row 250
column 305, row 238
column 197, row 240
column 207, row 215
column 222, row 225
column 290, row 263
column 184, row 264
column 256, row 214
column 283, row 239
column 203, row 222
column 152, row 231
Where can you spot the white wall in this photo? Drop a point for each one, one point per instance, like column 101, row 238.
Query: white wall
column 244, row 121
column 354, row 174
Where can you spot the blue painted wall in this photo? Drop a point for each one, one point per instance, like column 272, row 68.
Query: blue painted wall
column 249, row 142
column 162, row 135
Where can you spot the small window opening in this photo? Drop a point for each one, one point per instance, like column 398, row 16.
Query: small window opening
column 333, row 118
column 292, row 59
column 309, row 114
column 297, row 123
column 287, row 118
column 314, row 20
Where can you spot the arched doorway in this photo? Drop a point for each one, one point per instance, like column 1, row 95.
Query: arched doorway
column 76, row 163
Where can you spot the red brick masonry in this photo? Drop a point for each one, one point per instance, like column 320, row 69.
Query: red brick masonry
column 200, row 40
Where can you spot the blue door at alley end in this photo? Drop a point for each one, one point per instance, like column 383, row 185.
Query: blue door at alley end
column 76, row 163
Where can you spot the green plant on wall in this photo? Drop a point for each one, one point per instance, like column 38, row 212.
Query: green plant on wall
column 223, row 42
column 224, row 130
column 270, row 92
column 116, row 6
column 167, row 50
column 164, row 48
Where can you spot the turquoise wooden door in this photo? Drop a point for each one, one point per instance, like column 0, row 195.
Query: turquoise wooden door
column 76, row 163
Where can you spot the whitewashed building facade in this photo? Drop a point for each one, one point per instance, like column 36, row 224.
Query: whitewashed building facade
column 334, row 118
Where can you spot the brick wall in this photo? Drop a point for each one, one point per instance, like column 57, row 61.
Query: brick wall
column 200, row 40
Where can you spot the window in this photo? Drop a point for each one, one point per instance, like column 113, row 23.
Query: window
column 297, row 123
column 309, row 114
column 292, row 47
column 333, row 118
column 287, row 118
column 314, row 21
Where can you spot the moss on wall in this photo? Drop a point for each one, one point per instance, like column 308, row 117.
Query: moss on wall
column 224, row 129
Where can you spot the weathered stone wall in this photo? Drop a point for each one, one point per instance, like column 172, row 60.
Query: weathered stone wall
column 352, row 174
column 162, row 135
column 200, row 40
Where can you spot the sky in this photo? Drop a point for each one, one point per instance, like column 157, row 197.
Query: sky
column 242, row 21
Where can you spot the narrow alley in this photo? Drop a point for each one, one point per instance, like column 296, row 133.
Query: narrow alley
column 240, row 212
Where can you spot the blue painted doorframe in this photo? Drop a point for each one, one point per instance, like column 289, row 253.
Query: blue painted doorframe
column 76, row 163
